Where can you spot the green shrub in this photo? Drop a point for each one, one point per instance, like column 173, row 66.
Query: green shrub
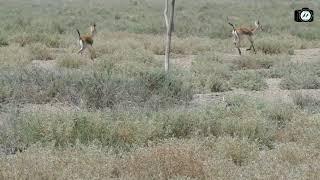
column 167, row 87
column 50, row 40
column 3, row 41
column 124, row 130
column 306, row 102
column 208, row 72
column 271, row 44
column 5, row 93
column 97, row 90
column 259, row 61
column 217, row 84
column 248, row 80
column 84, row 128
column 279, row 69
column 300, row 81
column 240, row 151
column 128, row 61
column 239, row 118
column 281, row 114
column 301, row 77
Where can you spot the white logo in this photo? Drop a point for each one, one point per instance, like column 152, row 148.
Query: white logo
column 305, row 15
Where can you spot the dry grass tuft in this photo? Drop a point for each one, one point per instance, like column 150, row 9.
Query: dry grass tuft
column 72, row 61
column 40, row 52
column 165, row 162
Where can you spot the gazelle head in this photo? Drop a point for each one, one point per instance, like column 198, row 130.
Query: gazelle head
column 258, row 25
column 93, row 29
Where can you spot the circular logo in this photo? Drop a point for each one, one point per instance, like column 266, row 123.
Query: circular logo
column 305, row 15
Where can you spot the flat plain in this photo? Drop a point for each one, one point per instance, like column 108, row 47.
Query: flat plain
column 215, row 115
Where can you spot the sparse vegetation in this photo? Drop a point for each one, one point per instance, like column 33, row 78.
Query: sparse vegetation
column 259, row 61
column 71, row 61
column 248, row 80
column 306, row 101
column 281, row 114
column 94, row 89
column 216, row 115
column 39, row 52
column 301, row 77
column 209, row 72
column 271, row 45
column 3, row 41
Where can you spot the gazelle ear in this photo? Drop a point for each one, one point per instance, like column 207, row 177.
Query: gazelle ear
column 257, row 23
column 260, row 26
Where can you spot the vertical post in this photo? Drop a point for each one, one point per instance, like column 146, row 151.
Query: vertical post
column 169, row 25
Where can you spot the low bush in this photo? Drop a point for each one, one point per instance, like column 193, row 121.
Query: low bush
column 217, row 84
column 240, row 151
column 50, row 40
column 301, row 77
column 94, row 89
column 40, row 52
column 259, row 61
column 71, row 61
column 281, row 114
column 248, row 80
column 126, row 130
column 271, row 45
column 306, row 101
column 208, row 72
column 3, row 41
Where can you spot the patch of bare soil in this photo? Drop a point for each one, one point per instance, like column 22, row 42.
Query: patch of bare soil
column 182, row 61
column 306, row 55
column 58, row 50
column 47, row 65
column 229, row 58
column 283, row 96
column 48, row 108
column 273, row 83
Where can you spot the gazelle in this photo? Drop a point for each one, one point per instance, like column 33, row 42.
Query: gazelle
column 239, row 33
column 86, row 41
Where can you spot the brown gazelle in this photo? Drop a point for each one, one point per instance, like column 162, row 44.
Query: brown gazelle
column 239, row 33
column 86, row 41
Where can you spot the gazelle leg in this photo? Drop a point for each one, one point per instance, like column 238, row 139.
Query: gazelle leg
column 238, row 46
column 254, row 49
column 82, row 47
column 251, row 41
column 239, row 51
column 92, row 52
column 251, row 44
column 81, row 51
column 236, row 42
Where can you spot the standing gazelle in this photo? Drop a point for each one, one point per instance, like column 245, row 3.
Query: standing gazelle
column 86, row 41
column 239, row 33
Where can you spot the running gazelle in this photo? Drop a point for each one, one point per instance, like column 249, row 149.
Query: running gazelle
column 239, row 33
column 86, row 41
